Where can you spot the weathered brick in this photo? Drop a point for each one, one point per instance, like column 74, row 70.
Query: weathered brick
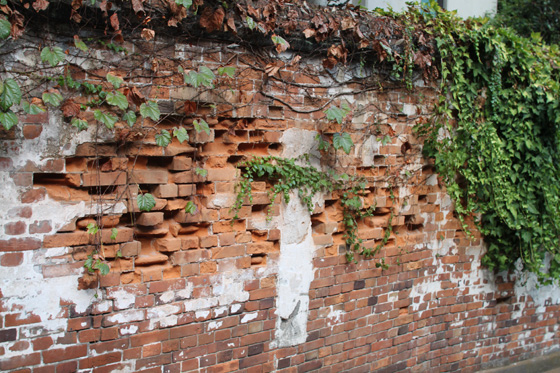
column 11, row 259
column 166, row 191
column 61, row 354
column 104, row 178
column 149, row 177
column 150, row 219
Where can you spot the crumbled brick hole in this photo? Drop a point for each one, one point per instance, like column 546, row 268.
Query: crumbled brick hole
column 258, row 259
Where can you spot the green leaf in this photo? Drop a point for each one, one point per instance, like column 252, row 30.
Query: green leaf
column 117, row 99
column 251, row 23
column 32, row 109
column 107, row 119
column 181, row 134
column 53, row 56
column 5, row 28
column 385, row 140
column 89, row 263
column 227, row 70
column 103, row 268
column 201, row 171
column 190, row 208
column 114, row 233
column 201, row 126
column 116, row 81
column 150, row 110
column 130, row 118
column 11, row 94
column 334, row 113
column 343, row 141
column 78, row 43
column 53, row 98
column 80, row 124
column 146, row 202
column 8, row 119
column 186, row 3
column 279, row 40
column 204, row 77
column 163, row 138
column 92, row 228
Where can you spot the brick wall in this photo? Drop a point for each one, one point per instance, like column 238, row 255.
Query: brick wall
column 208, row 293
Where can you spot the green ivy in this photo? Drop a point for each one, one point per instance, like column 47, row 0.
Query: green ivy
column 500, row 159
column 287, row 176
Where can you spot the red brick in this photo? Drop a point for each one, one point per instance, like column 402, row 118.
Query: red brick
column 149, row 177
column 32, row 131
column 150, row 219
column 150, row 337
column 61, row 354
column 104, row 178
column 181, row 163
column 15, row 228
column 11, row 259
column 43, row 226
column 33, row 195
column 20, row 361
column 16, row 319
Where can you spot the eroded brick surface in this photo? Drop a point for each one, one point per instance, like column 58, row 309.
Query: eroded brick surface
column 188, row 292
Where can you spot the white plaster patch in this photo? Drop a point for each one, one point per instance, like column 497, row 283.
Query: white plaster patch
column 126, row 317
column 335, row 316
column 131, row 329
column 123, row 299
column 249, row 317
column 295, row 273
column 235, row 307
column 213, row 325
column 202, row 314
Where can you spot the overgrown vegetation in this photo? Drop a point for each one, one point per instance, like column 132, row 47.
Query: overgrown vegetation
column 529, row 16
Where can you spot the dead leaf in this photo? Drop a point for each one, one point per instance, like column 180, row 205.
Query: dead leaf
column 147, row 34
column 70, row 108
column 309, row 33
column 272, row 68
column 138, row 8
column 16, row 19
column 211, row 19
column 338, row 52
column 115, row 22
column 348, row 23
column 39, row 5
column 253, row 12
column 178, row 13
column 329, row 63
column 190, row 107
column 105, row 6
column 6, row 10
column 295, row 60
column 134, row 96
column 363, row 44
column 75, row 16
column 231, row 25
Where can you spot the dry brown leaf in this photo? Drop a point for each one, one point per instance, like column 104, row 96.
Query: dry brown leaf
column 329, row 63
column 231, row 25
column 16, row 19
column 115, row 22
column 253, row 12
column 138, row 7
column 39, row 5
column 147, row 34
column 105, row 6
column 6, row 10
column 190, row 107
column 348, row 23
column 271, row 69
column 178, row 13
column 70, row 108
column 295, row 60
column 338, row 52
column 211, row 19
column 134, row 96
column 75, row 16
column 363, row 44
column 309, row 33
